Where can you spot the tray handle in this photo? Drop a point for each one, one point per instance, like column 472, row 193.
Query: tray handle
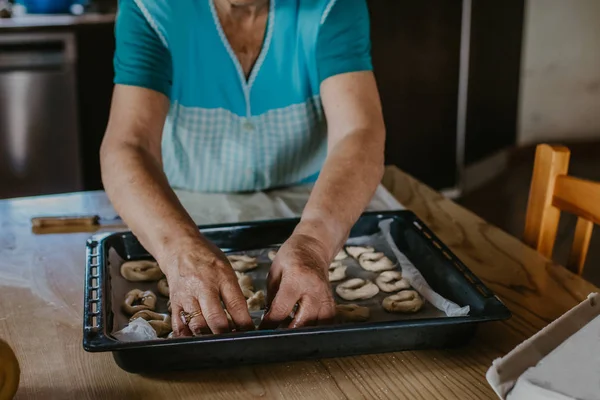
column 93, row 288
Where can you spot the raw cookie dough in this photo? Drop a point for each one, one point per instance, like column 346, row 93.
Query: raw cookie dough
column 391, row 281
column 342, row 255
column 351, row 313
column 163, row 287
column 356, row 251
column 141, row 271
column 245, row 282
column 160, row 322
column 356, row 289
column 242, row 263
column 407, row 301
column 257, row 302
column 375, row 262
column 137, row 300
column 337, row 271
column 272, row 254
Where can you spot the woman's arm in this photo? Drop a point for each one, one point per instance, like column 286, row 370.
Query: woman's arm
column 352, row 170
column 199, row 274
column 132, row 171
column 354, row 165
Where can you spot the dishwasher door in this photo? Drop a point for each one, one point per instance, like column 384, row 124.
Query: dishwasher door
column 39, row 138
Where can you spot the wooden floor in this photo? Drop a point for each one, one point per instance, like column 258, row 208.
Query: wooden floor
column 503, row 202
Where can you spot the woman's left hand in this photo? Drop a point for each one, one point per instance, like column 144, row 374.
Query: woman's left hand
column 299, row 275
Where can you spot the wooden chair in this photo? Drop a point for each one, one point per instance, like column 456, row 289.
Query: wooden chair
column 553, row 191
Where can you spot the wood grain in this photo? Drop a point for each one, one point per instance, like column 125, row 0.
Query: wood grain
column 41, row 291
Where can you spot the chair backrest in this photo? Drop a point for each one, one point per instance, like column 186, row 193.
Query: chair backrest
column 553, row 191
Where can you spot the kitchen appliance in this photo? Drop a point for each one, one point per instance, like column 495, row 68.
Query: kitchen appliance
column 39, row 138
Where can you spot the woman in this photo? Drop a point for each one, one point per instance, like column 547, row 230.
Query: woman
column 234, row 96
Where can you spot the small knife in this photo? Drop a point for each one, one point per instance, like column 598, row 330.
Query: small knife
column 73, row 223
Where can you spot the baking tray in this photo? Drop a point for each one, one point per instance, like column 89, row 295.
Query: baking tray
column 442, row 270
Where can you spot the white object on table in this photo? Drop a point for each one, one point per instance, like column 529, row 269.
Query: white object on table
column 562, row 361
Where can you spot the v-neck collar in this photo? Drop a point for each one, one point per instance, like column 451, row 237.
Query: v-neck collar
column 246, row 83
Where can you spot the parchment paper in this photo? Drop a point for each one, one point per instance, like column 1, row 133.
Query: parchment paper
column 120, row 286
column 286, row 203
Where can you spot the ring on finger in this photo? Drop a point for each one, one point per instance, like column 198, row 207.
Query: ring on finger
column 186, row 317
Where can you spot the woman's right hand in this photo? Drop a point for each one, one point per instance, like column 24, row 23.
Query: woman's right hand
column 200, row 277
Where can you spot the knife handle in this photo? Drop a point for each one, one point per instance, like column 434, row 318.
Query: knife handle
column 81, row 220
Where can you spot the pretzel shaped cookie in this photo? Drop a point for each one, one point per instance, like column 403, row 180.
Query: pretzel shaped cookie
column 407, row 301
column 137, row 300
column 337, row 271
column 356, row 289
column 375, row 262
column 163, row 287
column 141, row 271
column 245, row 282
column 242, row 263
column 391, row 281
column 257, row 301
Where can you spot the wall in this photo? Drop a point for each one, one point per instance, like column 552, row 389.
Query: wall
column 560, row 87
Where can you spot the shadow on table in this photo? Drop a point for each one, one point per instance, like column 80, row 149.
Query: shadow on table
column 66, row 393
column 226, row 374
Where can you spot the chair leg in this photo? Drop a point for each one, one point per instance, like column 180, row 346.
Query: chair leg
column 581, row 245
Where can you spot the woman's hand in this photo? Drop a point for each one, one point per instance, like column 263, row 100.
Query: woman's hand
column 299, row 275
column 200, row 277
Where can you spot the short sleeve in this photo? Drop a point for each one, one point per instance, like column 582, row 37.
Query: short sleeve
column 344, row 42
column 141, row 58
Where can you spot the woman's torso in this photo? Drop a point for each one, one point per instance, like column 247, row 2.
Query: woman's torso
column 226, row 132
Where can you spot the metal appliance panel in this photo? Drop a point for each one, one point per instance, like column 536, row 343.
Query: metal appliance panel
column 39, row 138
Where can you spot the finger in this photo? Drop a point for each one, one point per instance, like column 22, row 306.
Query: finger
column 273, row 281
column 197, row 325
column 307, row 314
column 326, row 314
column 282, row 306
column 213, row 311
column 236, row 305
column 179, row 328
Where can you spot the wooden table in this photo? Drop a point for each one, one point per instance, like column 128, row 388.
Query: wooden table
column 41, row 296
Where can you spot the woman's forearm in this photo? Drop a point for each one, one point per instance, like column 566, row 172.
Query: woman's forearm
column 139, row 190
column 349, row 178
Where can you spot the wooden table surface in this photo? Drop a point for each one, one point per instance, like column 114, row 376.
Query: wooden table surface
column 41, row 297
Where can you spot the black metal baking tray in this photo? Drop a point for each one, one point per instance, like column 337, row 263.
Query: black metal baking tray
column 443, row 271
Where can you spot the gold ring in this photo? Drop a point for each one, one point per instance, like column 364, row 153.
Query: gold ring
column 186, row 318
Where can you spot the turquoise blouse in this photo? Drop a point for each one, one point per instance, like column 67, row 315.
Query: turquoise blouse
column 226, row 133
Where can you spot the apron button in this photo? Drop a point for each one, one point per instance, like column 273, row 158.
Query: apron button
column 249, row 126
